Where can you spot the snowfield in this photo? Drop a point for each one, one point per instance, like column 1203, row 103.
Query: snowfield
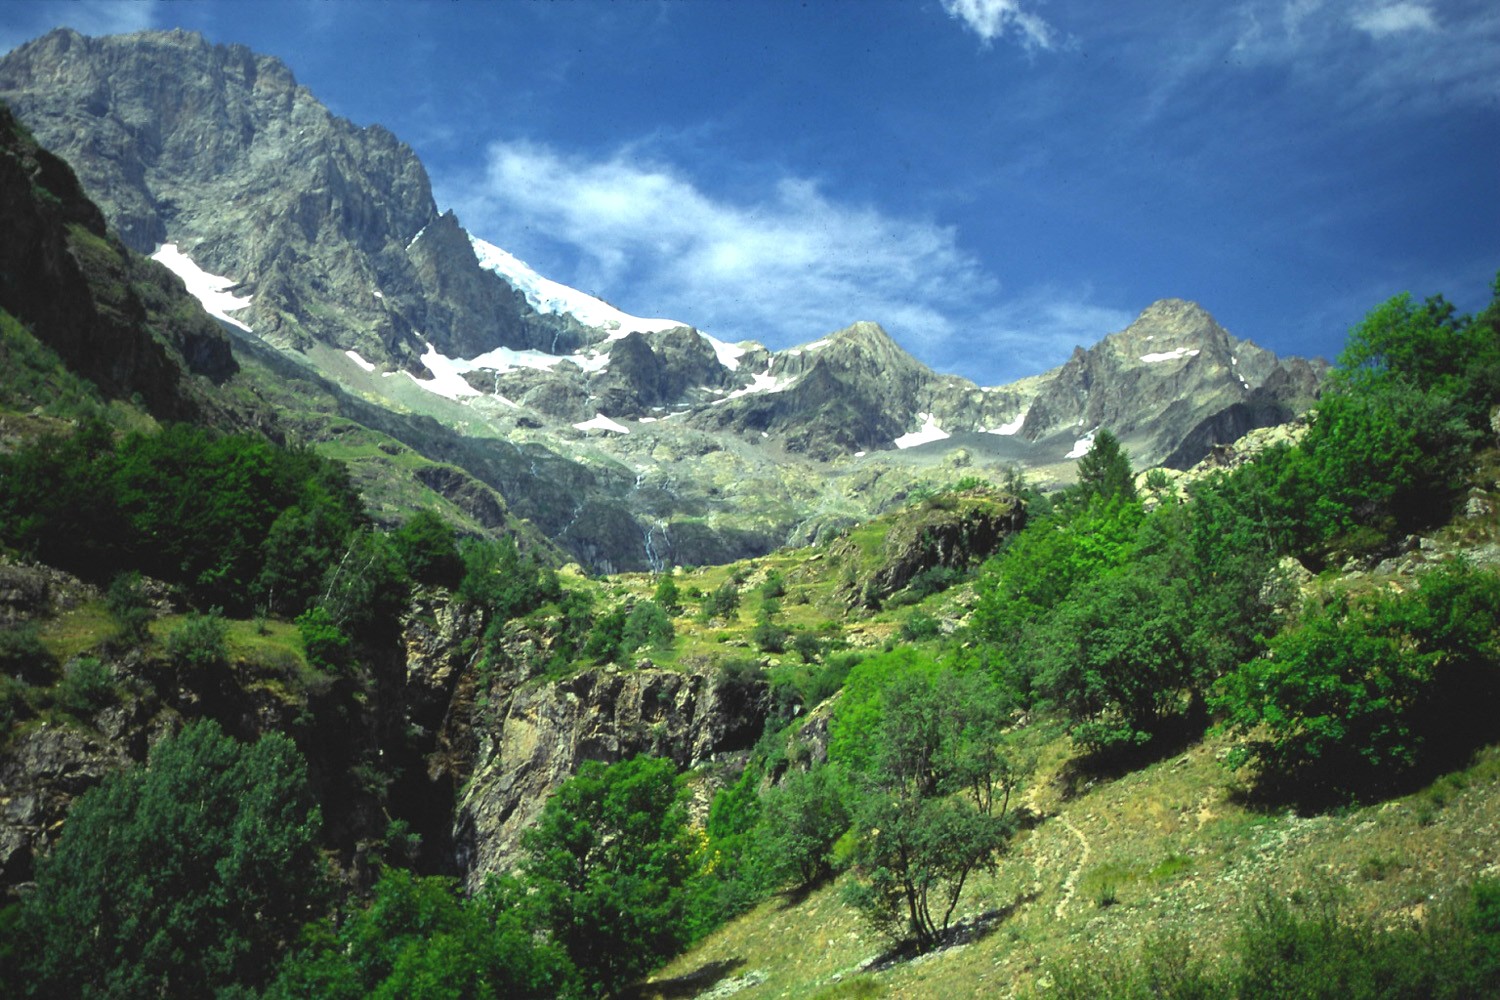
column 555, row 298
column 927, row 433
column 210, row 289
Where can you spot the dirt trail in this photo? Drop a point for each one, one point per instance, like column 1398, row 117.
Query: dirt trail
column 1070, row 884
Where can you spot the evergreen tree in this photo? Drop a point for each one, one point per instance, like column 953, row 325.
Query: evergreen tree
column 1104, row 471
column 181, row 878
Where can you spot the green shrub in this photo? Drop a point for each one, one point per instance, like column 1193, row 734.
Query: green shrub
column 324, row 644
column 429, row 550
column 608, row 865
column 182, row 877
column 800, row 821
column 130, row 607
column 769, row 637
column 1362, row 691
column 919, row 626
column 723, row 602
column 23, row 656
column 200, row 642
column 86, row 686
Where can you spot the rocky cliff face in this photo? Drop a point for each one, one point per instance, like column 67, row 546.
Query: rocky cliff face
column 539, row 733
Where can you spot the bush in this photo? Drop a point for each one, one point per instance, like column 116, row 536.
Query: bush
column 200, row 642
column 769, row 637
column 504, row 583
column 130, row 607
column 23, row 656
column 1362, row 691
column 667, row 595
column 421, row 938
column 86, row 686
column 723, row 602
column 800, row 821
column 919, row 626
column 608, row 865
column 807, row 646
column 429, row 550
column 324, row 644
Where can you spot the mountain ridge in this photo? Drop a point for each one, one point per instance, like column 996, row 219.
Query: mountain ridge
column 331, row 233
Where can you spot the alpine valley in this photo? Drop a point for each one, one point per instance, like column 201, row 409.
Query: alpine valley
column 379, row 617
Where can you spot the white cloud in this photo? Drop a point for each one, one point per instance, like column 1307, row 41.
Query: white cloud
column 1395, row 19
column 790, row 265
column 990, row 19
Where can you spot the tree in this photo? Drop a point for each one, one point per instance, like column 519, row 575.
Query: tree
column 422, row 939
column 800, row 821
column 1116, row 656
column 200, row 642
column 928, row 818
column 1382, row 456
column 1361, row 690
column 1054, row 554
column 667, row 594
column 722, row 602
column 1431, row 347
column 179, row 878
column 608, row 864
column 504, row 583
column 1104, row 470
column 429, row 550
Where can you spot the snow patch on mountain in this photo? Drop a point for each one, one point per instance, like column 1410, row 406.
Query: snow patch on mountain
column 1179, row 353
column 210, row 289
column 600, row 422
column 728, row 354
column 548, row 296
column 447, row 375
column 761, row 382
column 1082, row 445
column 593, row 362
column 1012, row 426
column 505, row 359
column 363, row 364
column 926, row 434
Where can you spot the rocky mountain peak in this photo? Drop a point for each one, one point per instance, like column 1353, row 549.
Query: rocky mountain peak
column 219, row 151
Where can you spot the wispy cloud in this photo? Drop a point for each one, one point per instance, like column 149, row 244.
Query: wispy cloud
column 1395, row 19
column 992, row 19
column 1417, row 62
column 784, row 267
column 25, row 21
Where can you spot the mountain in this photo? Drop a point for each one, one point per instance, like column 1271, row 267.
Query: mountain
column 633, row 443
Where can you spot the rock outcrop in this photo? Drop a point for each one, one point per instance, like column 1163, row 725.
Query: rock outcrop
column 951, row 531
column 542, row 731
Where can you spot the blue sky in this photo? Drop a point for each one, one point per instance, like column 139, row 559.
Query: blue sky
column 995, row 181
